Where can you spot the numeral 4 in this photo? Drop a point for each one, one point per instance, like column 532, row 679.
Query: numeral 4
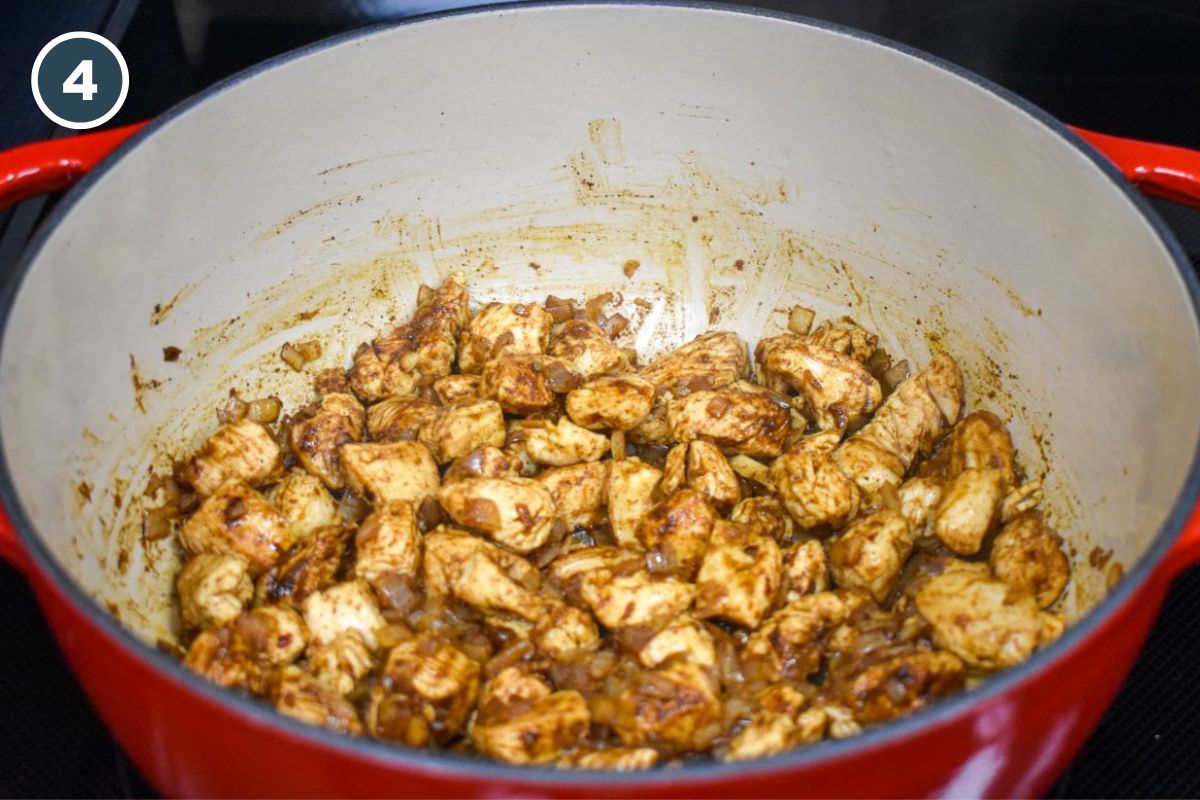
column 80, row 81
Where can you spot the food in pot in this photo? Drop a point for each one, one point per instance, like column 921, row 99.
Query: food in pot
column 502, row 534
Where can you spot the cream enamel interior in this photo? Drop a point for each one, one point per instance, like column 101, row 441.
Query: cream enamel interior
column 843, row 174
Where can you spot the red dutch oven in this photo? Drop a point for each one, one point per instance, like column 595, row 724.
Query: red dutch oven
column 748, row 160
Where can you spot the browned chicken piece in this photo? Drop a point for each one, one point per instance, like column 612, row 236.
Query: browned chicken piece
column 674, row 470
column 1028, row 555
column 789, row 644
column 768, row 513
column 637, row 599
column 456, row 390
column 968, row 509
column 242, row 451
column 740, row 575
column 448, row 550
column 426, row 691
column 752, row 469
column 305, row 502
column 417, row 353
column 676, row 532
column 565, row 443
column 457, row 430
column 1025, row 497
column 805, row 570
column 740, row 418
column 397, row 472
column 399, row 419
column 213, row 589
column 343, row 607
column 332, row 380
column 591, row 565
column 484, row 585
column 842, row 724
column 578, row 492
column 565, row 633
column 980, row 441
column 308, row 566
column 342, row 663
column 673, row 709
column 908, row 423
column 317, row 441
column 837, row 389
column 236, row 520
column 845, row 336
column 684, row 638
column 518, row 384
column 984, row 621
column 584, row 349
column 779, row 723
column 388, row 544
column 902, row 684
column 919, row 498
column 709, row 473
column 299, row 695
column 814, row 490
column 243, row 652
column 871, row 553
column 631, row 486
column 503, row 329
column 521, row 721
column 617, row 759
column 516, row 512
column 616, row 402
column 483, row 462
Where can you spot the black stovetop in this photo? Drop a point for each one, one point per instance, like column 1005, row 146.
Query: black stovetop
column 1129, row 68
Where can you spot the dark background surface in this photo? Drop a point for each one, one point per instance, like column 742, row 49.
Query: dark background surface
column 1128, row 68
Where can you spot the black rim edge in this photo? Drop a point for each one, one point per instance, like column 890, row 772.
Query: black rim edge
column 452, row 765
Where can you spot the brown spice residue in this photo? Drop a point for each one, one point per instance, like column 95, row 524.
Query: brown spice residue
column 171, row 353
column 84, row 490
column 1099, row 557
column 631, row 266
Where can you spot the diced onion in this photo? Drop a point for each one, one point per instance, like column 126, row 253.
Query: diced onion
column 800, row 320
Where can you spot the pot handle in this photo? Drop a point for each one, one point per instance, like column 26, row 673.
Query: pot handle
column 55, row 164
column 1185, row 553
column 11, row 549
column 1161, row 170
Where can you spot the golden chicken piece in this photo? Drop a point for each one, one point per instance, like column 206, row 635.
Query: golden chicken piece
column 591, row 565
column 708, row 472
column 814, row 490
column 388, row 544
column 305, row 502
column 483, row 462
column 484, row 585
column 845, row 336
column 308, row 566
column 673, row 709
column 984, row 621
column 636, row 599
column 617, row 759
column 578, row 491
column 317, row 441
column 1027, row 555
column 631, row 486
column 397, row 472
column 521, row 721
column 565, row 443
column 836, row 388
column 674, row 470
column 752, row 469
column 584, row 349
column 805, row 570
column 842, row 724
column 457, row 430
column 242, row 451
column 677, row 532
column 740, row 418
column 342, row 663
column 343, row 607
column 768, row 513
column 902, row 684
column 968, row 509
column 213, row 589
column 740, row 574
column 779, row 723
column 236, row 520
column 870, row 554
column 518, row 384
column 789, row 644
column 457, row 390
column 617, row 402
column 399, row 419
column 919, row 498
column 416, row 354
column 516, row 512
column 684, row 638
column 503, row 329
column 298, row 695
column 980, row 441
column 565, row 633
column 427, row 690
column 243, row 652
column 448, row 550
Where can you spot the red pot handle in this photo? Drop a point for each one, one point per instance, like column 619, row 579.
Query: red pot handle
column 55, row 164
column 1161, row 170
column 11, row 549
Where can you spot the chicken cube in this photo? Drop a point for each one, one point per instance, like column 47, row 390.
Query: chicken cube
column 805, row 570
column 919, row 498
column 675, row 708
column 902, row 684
column 397, row 472
column 709, row 473
column 1027, row 555
column 484, row 585
column 457, row 390
column 781, row 722
column 684, row 638
column 711, row 361
column 503, row 329
column 213, row 589
column 447, row 551
column 518, row 513
column 565, row 633
column 617, row 402
column 752, row 470
column 388, row 543
column 584, row 349
column 242, row 451
column 340, row 608
column 631, row 486
column 578, row 492
column 789, row 644
column 427, row 690
column 483, row 462
column 305, row 502
column 637, row 599
column 236, row 520
column 768, row 513
column 845, row 336
column 308, row 566
column 457, row 430
column 968, row 509
column 836, row 388
column 565, row 443
column 399, row 419
column 317, row 441
column 591, row 566
column 342, row 663
column 674, row 470
column 871, row 553
column 533, row 727
column 617, row 759
column 518, row 384
column 814, row 490
column 243, row 652
column 740, row 574
column 980, row 441
column 740, row 418
column 677, row 532
column 298, row 695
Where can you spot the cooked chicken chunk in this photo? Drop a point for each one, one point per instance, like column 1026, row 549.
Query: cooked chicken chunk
column 768, row 513
column 427, row 690
column 683, row 638
column 243, row 451
column 398, row 419
column 528, row 726
column 305, row 502
column 398, row 472
column 317, row 441
column 709, row 473
column 805, row 570
column 844, row 336
column 565, row 633
column 740, row 574
column 740, row 418
column 591, row 565
column 636, row 599
column 871, row 553
column 618, row 759
column 299, row 695
column 674, row 709
column 417, row 353
column 243, row 652
column 388, row 543
column 984, row 621
column 814, row 490
column 516, row 512
column 587, row 351
column 789, row 644
column 483, row 462
column 980, row 441
column 836, row 388
column 340, row 608
column 968, row 509
column 447, row 551
column 484, row 585
column 631, row 486
column 342, row 663
column 236, row 520
column 308, row 566
column 503, row 329
column 518, row 384
column 780, row 723
column 578, row 492
column 565, row 443
column 677, row 531
column 213, row 589
column 617, row 402
column 1027, row 555
column 457, row 430
column 902, row 684
column 1025, row 497
column 919, row 498
column 455, row 390
column 674, row 470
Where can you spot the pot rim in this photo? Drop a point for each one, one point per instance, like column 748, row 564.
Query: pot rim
column 451, row 765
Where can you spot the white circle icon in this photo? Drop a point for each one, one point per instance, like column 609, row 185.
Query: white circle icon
column 80, row 80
